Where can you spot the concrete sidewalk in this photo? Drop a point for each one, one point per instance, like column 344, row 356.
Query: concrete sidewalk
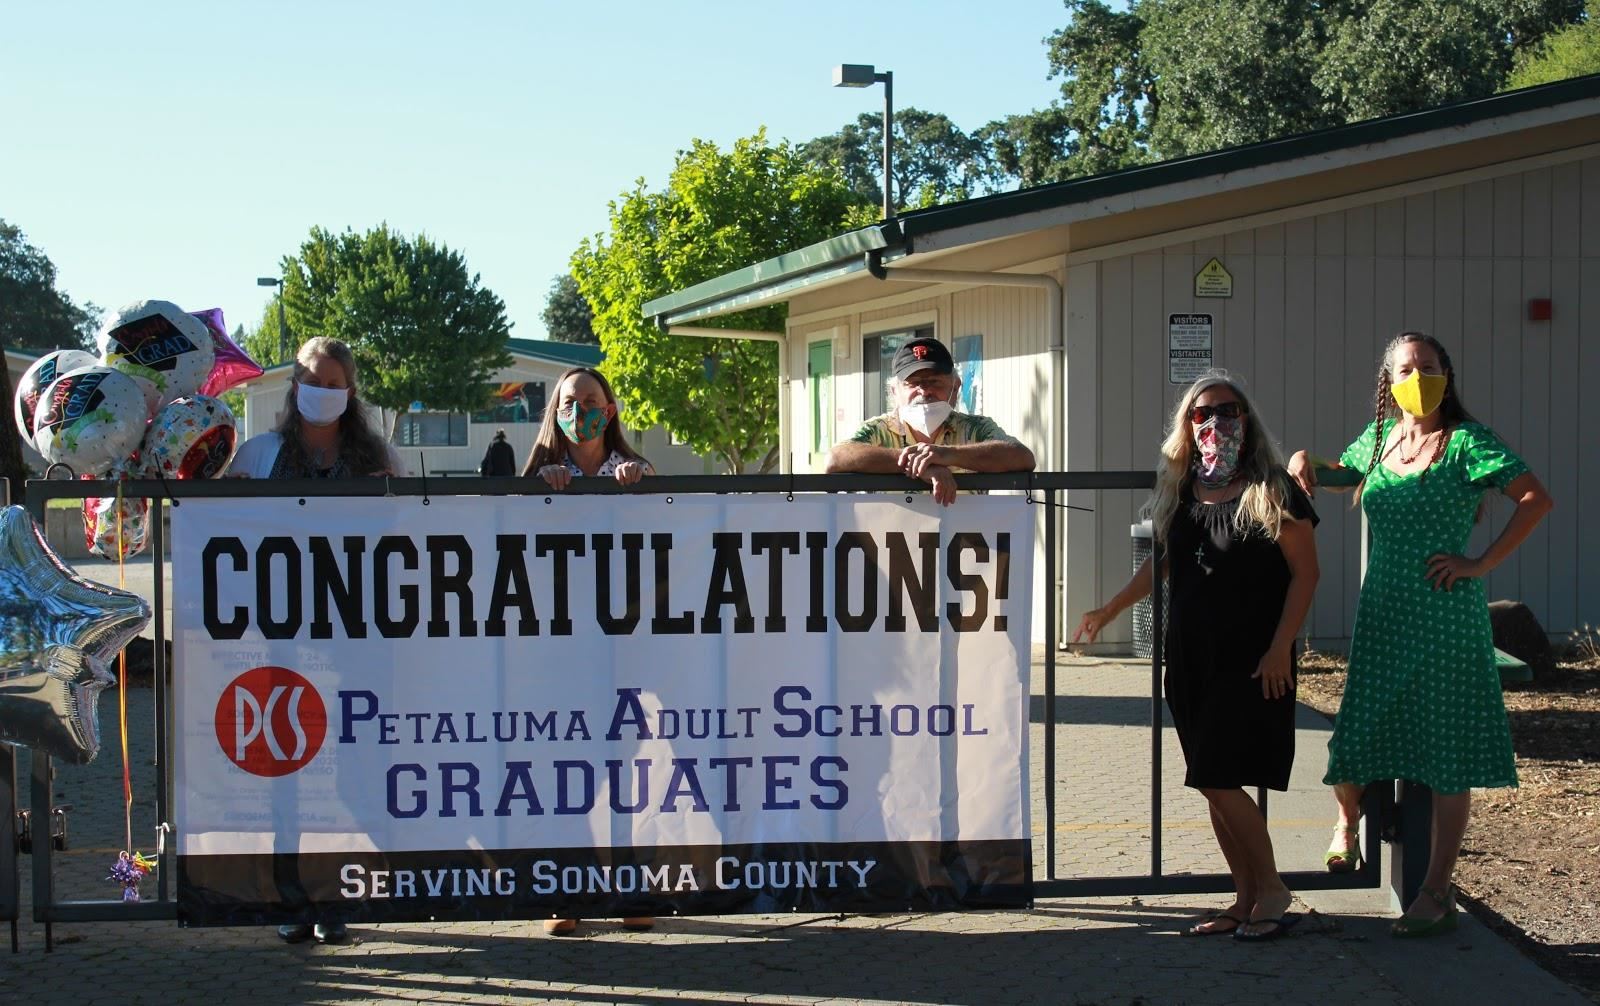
column 1106, row 951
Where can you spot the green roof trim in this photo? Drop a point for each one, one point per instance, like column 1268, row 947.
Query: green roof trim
column 574, row 354
column 812, row 258
column 832, row 257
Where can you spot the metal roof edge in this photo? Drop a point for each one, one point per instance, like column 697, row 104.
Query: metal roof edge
column 1045, row 197
column 812, row 258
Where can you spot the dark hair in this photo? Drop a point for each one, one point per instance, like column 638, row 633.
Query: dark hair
column 1384, row 407
column 362, row 450
column 551, row 446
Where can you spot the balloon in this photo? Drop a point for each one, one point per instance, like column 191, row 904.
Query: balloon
column 89, row 419
column 191, row 438
column 154, row 342
column 40, row 376
column 233, row 365
column 58, row 631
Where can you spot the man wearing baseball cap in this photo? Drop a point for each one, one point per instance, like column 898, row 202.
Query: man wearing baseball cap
column 923, row 436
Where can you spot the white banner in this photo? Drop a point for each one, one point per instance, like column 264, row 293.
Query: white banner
column 519, row 707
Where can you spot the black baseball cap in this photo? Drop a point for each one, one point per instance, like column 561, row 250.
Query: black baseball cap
column 922, row 354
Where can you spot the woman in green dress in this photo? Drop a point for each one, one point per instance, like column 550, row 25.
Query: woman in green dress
column 1422, row 701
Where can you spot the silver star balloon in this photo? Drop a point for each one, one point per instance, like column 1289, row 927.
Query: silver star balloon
column 58, row 631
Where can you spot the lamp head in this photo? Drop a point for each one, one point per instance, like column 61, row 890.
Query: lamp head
column 268, row 281
column 855, row 75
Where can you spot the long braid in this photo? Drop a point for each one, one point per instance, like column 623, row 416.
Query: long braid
column 1380, row 399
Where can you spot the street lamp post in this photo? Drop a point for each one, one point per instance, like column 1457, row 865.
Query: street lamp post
column 865, row 75
column 283, row 325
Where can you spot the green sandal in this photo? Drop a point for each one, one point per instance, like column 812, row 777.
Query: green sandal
column 1407, row 927
column 1345, row 858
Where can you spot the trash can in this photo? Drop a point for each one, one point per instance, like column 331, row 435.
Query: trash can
column 1143, row 536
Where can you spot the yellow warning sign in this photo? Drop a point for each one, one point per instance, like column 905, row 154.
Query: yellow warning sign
column 1213, row 280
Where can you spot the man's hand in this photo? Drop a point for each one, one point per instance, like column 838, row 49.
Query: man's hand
column 914, row 460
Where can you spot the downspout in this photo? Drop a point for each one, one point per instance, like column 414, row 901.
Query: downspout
column 1056, row 448
column 784, row 463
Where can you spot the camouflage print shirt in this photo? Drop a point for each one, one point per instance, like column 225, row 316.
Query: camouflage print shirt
column 961, row 428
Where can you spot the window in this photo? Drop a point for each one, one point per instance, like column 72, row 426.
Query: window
column 968, row 353
column 431, row 429
column 819, row 373
column 515, row 403
column 877, row 353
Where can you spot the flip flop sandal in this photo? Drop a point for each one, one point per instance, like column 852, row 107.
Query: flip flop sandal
column 1282, row 924
column 1195, row 930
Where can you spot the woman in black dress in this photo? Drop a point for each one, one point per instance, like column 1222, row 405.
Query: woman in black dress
column 1241, row 566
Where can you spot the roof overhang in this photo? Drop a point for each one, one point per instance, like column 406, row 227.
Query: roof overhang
column 1007, row 229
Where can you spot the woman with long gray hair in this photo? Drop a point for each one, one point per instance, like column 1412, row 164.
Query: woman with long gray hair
column 1240, row 561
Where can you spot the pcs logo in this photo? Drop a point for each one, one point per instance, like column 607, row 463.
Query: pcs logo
column 270, row 721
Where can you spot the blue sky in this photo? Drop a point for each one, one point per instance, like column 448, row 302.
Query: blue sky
column 179, row 150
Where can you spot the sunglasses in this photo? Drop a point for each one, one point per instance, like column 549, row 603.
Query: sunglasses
column 1227, row 410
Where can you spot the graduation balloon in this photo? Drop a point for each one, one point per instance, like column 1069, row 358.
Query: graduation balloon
column 191, row 438
column 118, row 530
column 58, row 631
column 156, row 343
column 40, row 376
column 90, row 419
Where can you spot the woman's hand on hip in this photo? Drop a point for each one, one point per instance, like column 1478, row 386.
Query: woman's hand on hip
column 1445, row 568
column 1276, row 671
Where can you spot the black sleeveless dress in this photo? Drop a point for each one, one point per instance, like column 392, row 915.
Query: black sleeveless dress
column 1226, row 595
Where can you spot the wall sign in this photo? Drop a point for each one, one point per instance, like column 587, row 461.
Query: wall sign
column 1189, row 346
column 1213, row 280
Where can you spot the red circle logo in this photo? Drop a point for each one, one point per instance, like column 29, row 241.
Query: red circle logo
column 271, row 721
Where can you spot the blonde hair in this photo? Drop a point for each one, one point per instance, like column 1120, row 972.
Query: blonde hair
column 1264, row 501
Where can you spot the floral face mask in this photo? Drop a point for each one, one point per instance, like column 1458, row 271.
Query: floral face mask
column 1218, row 441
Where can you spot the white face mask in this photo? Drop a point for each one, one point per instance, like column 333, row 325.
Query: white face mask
column 925, row 417
column 321, row 406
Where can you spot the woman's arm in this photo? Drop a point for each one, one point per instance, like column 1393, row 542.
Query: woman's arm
column 1136, row 590
column 1303, row 467
column 1299, row 547
column 1532, row 502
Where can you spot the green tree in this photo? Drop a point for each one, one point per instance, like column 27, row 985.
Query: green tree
column 421, row 327
column 934, row 161
column 1168, row 78
column 33, row 315
column 566, row 315
column 719, row 211
column 1572, row 51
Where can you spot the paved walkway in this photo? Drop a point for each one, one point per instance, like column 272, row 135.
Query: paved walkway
column 1106, row 951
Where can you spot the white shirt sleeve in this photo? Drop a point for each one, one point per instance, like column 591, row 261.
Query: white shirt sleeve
column 256, row 456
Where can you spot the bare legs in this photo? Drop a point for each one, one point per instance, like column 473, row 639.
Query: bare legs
column 1450, row 813
column 1246, row 845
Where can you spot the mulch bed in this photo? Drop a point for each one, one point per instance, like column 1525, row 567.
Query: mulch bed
column 1530, row 863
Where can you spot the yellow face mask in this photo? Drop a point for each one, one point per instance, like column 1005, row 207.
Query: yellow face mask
column 1420, row 393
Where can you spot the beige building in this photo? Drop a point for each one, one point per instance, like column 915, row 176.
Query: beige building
column 1077, row 312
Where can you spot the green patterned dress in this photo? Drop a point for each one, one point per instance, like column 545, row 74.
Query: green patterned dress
column 1422, row 701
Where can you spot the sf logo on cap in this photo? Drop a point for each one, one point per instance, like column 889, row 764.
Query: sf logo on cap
column 271, row 721
column 920, row 352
